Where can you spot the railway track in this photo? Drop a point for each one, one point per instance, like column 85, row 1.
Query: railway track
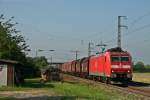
column 141, row 92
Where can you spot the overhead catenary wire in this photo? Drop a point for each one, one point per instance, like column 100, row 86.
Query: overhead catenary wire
column 98, row 35
column 129, row 33
column 111, row 40
column 134, row 30
column 138, row 19
column 137, row 29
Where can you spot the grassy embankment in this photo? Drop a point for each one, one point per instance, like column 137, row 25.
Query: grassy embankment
column 66, row 91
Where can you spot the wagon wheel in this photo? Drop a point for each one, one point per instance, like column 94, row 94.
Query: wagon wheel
column 108, row 81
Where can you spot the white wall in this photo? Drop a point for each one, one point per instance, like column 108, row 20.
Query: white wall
column 3, row 75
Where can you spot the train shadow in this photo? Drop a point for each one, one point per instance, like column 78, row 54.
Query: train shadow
column 139, row 84
column 120, row 84
column 132, row 83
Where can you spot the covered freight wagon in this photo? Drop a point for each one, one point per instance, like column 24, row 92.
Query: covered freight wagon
column 78, row 67
column 66, row 67
column 73, row 67
column 85, row 67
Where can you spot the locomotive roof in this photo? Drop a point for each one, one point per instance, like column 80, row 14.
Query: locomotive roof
column 116, row 49
column 116, row 53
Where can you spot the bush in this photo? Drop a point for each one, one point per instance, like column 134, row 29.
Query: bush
column 140, row 67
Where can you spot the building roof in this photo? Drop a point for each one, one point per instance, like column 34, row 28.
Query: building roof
column 9, row 61
column 56, row 62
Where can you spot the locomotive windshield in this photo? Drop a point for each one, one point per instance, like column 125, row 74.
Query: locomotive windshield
column 115, row 58
column 124, row 58
column 119, row 58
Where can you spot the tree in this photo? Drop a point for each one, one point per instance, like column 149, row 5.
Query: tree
column 40, row 62
column 139, row 67
column 34, row 65
column 13, row 47
column 12, row 43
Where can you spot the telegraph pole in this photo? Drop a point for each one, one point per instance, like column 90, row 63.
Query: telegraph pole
column 89, row 49
column 39, row 50
column 51, row 55
column 119, row 29
column 51, row 59
column 76, row 53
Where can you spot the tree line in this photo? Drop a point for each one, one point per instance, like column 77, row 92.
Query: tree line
column 14, row 47
column 141, row 67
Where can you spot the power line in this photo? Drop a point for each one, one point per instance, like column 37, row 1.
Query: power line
column 131, row 32
column 138, row 29
column 139, row 18
column 132, row 24
column 143, row 41
column 101, row 32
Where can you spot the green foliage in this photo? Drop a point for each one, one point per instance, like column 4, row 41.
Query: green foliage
column 140, row 67
column 40, row 62
column 12, row 43
column 37, row 62
column 34, row 65
column 13, row 46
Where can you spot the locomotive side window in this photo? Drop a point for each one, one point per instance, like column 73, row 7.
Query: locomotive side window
column 115, row 58
column 124, row 58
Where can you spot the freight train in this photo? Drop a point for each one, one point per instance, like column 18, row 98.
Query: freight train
column 113, row 65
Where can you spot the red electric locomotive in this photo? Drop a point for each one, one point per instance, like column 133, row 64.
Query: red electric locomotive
column 114, row 64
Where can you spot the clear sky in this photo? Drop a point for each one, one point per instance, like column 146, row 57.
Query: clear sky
column 66, row 25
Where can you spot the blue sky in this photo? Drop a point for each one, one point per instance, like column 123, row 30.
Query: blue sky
column 66, row 25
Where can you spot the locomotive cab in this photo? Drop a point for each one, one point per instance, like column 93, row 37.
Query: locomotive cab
column 121, row 66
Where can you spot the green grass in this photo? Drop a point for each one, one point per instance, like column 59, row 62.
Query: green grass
column 69, row 91
column 11, row 88
column 82, row 91
column 86, row 92
column 7, row 98
column 29, row 84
